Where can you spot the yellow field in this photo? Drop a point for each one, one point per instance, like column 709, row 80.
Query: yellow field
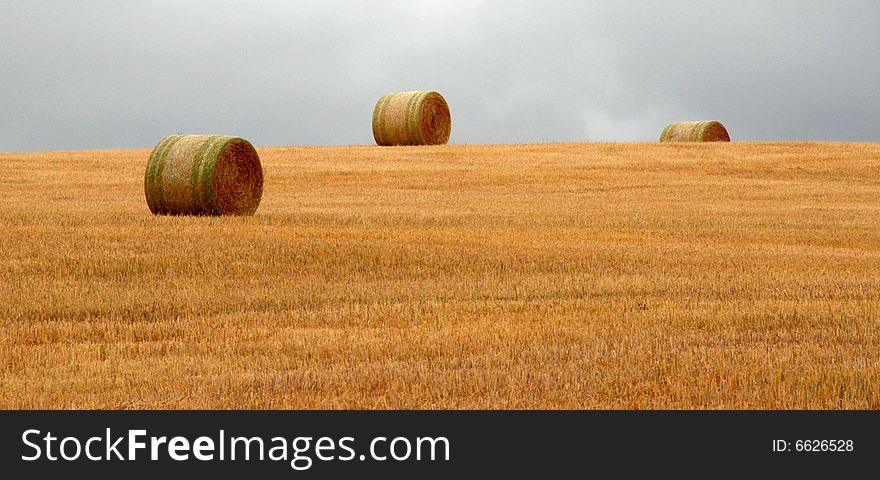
column 532, row 276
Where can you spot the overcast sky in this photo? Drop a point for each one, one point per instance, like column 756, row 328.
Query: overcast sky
column 104, row 74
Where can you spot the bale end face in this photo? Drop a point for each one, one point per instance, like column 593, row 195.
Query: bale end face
column 705, row 131
column 203, row 175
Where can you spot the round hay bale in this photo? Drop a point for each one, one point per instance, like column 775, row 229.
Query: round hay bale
column 203, row 175
column 411, row 118
column 710, row 131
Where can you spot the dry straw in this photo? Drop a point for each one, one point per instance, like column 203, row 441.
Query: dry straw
column 411, row 118
column 710, row 131
column 203, row 175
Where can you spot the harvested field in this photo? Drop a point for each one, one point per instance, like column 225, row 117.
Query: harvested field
column 709, row 275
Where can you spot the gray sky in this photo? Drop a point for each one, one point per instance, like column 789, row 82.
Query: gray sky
column 104, row 74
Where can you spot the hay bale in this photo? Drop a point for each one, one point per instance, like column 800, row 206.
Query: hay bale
column 411, row 118
column 710, row 131
column 203, row 175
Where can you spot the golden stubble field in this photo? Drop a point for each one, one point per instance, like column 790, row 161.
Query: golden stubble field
column 522, row 276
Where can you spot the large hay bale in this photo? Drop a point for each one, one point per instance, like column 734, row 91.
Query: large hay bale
column 710, row 131
column 411, row 118
column 203, row 175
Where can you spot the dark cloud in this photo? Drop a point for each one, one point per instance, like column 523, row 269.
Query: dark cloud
column 97, row 74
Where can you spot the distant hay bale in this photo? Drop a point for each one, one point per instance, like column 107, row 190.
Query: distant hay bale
column 411, row 118
column 203, row 175
column 710, row 131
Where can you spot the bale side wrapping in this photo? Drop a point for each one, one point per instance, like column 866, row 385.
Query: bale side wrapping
column 411, row 118
column 203, row 175
column 707, row 131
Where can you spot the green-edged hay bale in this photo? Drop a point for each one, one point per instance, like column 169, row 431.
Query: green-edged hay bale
column 710, row 131
column 203, row 175
column 411, row 118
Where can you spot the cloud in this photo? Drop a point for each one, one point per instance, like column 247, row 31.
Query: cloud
column 100, row 74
